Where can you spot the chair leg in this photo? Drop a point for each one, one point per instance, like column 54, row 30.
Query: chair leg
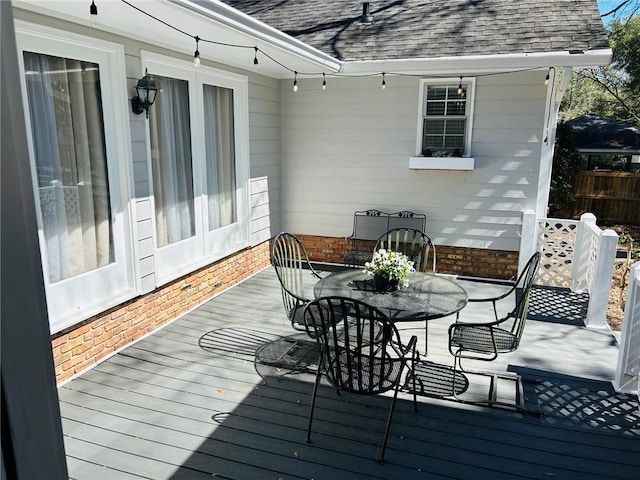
column 388, row 427
column 313, row 402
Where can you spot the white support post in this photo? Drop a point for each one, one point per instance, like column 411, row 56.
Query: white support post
column 628, row 371
column 580, row 257
column 528, row 239
column 603, row 274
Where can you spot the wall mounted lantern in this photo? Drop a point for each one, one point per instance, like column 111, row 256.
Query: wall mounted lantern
column 145, row 95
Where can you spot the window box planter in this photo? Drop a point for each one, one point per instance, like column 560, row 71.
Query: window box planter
column 441, row 163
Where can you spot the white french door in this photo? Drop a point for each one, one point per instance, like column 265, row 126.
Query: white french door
column 198, row 137
column 72, row 90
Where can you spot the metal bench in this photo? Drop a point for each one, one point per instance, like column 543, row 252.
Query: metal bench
column 368, row 227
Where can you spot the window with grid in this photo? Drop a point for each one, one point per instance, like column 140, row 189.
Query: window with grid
column 445, row 120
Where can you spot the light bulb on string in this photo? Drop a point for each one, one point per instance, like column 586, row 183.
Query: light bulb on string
column 546, row 79
column 255, row 58
column 460, row 87
column 324, row 81
column 384, row 83
column 295, row 81
column 196, row 54
column 93, row 14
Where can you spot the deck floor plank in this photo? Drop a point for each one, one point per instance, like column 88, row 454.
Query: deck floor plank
column 190, row 402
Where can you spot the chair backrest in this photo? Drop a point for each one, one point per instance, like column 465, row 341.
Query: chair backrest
column 289, row 258
column 415, row 244
column 360, row 345
column 522, row 288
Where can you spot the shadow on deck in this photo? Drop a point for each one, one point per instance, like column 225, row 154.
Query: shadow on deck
column 224, row 392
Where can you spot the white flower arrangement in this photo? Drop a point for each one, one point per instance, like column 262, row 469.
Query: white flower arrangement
column 390, row 265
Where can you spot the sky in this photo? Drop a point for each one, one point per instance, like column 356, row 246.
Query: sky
column 608, row 5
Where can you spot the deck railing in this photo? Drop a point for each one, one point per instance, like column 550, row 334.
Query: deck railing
column 628, row 372
column 576, row 254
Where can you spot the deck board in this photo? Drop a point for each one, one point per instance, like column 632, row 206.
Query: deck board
column 189, row 402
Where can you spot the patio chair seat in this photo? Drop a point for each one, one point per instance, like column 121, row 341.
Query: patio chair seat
column 481, row 339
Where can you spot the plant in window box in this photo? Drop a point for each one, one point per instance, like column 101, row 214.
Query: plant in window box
column 442, row 153
column 389, row 270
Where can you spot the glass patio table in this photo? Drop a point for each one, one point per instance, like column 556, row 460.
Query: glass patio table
column 427, row 296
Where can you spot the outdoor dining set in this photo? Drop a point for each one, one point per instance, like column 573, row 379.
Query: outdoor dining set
column 353, row 315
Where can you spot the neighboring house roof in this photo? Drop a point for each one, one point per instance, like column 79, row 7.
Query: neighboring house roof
column 593, row 133
column 434, row 29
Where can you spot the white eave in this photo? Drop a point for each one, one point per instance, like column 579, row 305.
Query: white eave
column 216, row 21
column 208, row 19
column 226, row 15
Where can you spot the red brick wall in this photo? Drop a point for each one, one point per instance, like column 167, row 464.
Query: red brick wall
column 85, row 344
column 473, row 262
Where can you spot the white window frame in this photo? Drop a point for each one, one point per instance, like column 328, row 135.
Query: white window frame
column 77, row 298
column 175, row 260
column 470, row 84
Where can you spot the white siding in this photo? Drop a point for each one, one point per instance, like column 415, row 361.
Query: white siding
column 348, row 148
column 265, row 148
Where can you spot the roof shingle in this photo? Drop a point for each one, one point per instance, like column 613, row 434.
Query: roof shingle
column 434, row 28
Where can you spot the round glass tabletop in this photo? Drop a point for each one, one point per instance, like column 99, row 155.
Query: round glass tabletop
column 426, row 297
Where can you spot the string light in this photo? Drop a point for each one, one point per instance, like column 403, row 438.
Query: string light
column 324, row 81
column 546, row 79
column 460, row 87
column 196, row 60
column 93, row 14
column 196, row 55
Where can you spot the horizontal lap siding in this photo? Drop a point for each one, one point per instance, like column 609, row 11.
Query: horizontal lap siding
column 347, row 148
column 265, row 150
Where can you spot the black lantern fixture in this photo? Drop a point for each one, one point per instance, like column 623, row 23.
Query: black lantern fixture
column 145, row 94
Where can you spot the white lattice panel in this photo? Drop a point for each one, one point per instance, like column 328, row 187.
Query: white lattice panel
column 556, row 241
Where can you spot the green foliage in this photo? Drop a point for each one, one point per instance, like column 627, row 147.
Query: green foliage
column 566, row 163
column 625, row 43
column 612, row 91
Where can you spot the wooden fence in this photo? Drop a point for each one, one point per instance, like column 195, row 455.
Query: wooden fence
column 610, row 196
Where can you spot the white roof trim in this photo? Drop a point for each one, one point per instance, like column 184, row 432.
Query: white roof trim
column 480, row 63
column 222, row 13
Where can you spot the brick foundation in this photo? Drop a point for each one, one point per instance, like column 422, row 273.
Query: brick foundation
column 85, row 344
column 463, row 261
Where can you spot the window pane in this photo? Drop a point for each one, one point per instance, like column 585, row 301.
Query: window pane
column 453, row 142
column 455, row 127
column 434, row 126
column 436, row 108
column 220, row 154
column 171, row 161
column 65, row 106
column 456, row 108
column 436, row 92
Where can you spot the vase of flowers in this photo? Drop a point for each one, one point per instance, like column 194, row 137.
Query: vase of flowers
column 389, row 270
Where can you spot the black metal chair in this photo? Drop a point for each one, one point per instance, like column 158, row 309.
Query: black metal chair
column 361, row 351
column 415, row 244
column 486, row 340
column 290, row 259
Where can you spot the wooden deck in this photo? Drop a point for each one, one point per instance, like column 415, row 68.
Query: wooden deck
column 191, row 402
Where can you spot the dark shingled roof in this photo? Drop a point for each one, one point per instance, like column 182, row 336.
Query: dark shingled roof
column 437, row 28
column 602, row 134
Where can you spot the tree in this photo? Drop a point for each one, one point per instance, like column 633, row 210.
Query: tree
column 614, row 90
column 566, row 163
